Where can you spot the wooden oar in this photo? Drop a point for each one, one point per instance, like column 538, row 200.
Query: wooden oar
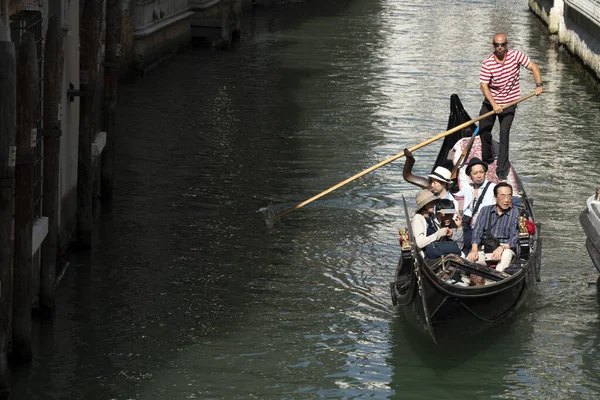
column 397, row 156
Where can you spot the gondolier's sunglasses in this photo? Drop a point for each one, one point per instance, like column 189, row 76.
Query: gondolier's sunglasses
column 500, row 44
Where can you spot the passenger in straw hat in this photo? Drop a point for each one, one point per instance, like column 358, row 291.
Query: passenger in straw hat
column 439, row 180
column 424, row 225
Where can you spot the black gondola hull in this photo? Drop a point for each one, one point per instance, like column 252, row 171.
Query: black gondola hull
column 446, row 311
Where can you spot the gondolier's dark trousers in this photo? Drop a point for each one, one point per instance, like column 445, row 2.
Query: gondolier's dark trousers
column 485, row 131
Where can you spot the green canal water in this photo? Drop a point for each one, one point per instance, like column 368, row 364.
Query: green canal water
column 188, row 294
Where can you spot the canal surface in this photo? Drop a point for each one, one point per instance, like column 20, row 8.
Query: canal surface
column 188, row 294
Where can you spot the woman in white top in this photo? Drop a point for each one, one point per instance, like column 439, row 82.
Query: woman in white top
column 424, row 227
column 439, row 180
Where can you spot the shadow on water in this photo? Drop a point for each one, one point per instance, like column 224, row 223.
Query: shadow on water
column 420, row 346
column 182, row 254
column 516, row 360
column 473, row 367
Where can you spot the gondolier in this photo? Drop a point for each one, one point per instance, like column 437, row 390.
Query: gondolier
column 499, row 83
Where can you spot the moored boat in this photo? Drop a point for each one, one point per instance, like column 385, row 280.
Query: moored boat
column 590, row 221
column 424, row 290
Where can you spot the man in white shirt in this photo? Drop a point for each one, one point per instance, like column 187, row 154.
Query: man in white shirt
column 476, row 170
column 473, row 200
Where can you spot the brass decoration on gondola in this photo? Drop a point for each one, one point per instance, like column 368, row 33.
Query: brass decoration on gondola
column 404, row 239
column 522, row 226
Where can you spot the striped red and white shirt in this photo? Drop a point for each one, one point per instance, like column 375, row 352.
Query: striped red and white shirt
column 503, row 78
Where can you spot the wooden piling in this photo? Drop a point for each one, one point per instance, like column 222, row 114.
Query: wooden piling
column 8, row 121
column 226, row 31
column 111, row 78
column 90, row 28
column 237, row 22
column 53, row 89
column 230, row 22
column 27, row 92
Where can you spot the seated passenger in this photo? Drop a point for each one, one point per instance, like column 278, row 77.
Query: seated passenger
column 496, row 231
column 426, row 230
column 439, row 180
column 447, row 217
column 477, row 194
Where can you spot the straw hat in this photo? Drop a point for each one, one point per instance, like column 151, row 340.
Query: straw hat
column 423, row 198
column 441, row 174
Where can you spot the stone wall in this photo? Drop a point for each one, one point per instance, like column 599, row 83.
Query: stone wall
column 577, row 26
column 149, row 12
column 206, row 8
column 151, row 31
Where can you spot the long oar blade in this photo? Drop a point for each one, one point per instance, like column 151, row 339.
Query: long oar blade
column 397, row 156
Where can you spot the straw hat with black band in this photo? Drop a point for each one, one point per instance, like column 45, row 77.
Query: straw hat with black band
column 441, row 174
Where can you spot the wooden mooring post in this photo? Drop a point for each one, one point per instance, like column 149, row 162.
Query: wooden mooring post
column 90, row 29
column 8, row 121
column 53, row 87
column 230, row 22
column 111, row 78
column 27, row 94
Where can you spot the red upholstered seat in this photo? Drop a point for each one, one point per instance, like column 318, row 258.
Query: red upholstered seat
column 463, row 179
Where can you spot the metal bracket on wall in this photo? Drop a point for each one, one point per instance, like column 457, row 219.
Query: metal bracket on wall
column 72, row 93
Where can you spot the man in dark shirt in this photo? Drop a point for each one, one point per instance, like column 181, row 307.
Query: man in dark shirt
column 498, row 221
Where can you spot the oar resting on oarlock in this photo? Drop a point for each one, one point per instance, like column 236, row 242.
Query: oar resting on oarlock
column 271, row 219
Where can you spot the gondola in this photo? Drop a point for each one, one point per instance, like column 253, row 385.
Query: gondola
column 590, row 222
column 421, row 289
